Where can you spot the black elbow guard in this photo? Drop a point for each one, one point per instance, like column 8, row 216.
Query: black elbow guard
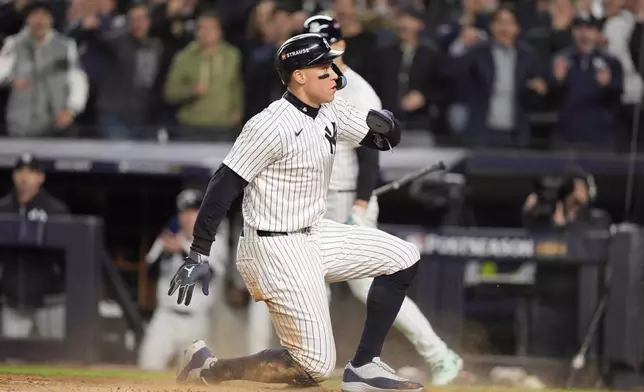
column 386, row 129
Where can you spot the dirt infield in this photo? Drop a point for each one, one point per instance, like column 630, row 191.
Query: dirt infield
column 44, row 378
column 67, row 383
column 30, row 383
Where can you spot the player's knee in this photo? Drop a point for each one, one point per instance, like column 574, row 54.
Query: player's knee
column 412, row 254
column 321, row 370
column 407, row 275
column 318, row 366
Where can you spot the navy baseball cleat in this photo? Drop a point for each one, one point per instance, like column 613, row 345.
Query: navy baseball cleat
column 375, row 376
column 196, row 358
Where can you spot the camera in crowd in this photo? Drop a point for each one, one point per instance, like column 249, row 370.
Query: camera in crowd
column 550, row 190
column 558, row 198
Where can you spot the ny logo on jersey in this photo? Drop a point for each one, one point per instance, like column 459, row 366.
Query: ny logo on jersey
column 331, row 137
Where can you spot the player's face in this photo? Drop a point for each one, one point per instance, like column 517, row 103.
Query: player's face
column 320, row 83
column 187, row 219
column 27, row 180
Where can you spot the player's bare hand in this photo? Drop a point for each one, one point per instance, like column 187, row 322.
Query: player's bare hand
column 172, row 243
column 190, row 273
column 364, row 213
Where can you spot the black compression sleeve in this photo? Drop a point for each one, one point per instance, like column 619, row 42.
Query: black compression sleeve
column 374, row 140
column 223, row 188
column 368, row 167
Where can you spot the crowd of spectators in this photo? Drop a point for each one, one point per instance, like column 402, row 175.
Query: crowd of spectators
column 483, row 72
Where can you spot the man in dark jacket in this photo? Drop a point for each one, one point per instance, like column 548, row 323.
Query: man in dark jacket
column 504, row 80
column 29, row 277
column 588, row 82
column 130, row 90
column 407, row 76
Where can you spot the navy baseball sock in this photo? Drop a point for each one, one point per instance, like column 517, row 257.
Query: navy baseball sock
column 385, row 297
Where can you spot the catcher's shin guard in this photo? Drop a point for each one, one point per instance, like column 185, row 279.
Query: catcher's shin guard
column 268, row 366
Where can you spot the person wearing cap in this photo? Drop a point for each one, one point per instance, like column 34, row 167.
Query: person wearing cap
column 25, row 305
column 588, row 82
column 172, row 326
column 28, row 196
column 48, row 87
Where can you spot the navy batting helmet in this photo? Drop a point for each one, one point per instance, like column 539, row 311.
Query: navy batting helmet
column 306, row 50
column 324, row 25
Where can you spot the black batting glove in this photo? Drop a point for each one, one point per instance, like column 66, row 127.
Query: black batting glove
column 194, row 269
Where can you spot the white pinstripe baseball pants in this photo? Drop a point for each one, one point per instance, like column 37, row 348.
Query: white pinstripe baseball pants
column 290, row 273
column 410, row 320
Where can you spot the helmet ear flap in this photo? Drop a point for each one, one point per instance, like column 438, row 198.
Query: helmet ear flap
column 341, row 81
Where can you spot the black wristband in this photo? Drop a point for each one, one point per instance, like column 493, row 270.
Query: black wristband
column 201, row 245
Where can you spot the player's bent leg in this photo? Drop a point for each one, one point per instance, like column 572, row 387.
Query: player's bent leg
column 411, row 322
column 287, row 274
column 354, row 252
column 269, row 366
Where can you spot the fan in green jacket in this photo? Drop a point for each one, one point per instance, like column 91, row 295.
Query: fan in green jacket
column 205, row 79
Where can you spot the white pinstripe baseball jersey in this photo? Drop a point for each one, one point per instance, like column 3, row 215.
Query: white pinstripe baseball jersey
column 286, row 154
column 360, row 94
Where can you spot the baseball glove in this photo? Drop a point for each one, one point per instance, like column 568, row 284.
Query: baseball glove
column 236, row 297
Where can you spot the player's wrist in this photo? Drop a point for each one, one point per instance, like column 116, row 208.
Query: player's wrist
column 198, row 257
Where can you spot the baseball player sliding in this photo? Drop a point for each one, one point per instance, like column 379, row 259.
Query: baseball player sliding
column 287, row 252
column 350, row 200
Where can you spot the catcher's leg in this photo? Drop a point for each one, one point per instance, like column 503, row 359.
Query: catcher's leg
column 285, row 272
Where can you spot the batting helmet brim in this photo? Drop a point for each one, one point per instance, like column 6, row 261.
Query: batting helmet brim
column 326, row 58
